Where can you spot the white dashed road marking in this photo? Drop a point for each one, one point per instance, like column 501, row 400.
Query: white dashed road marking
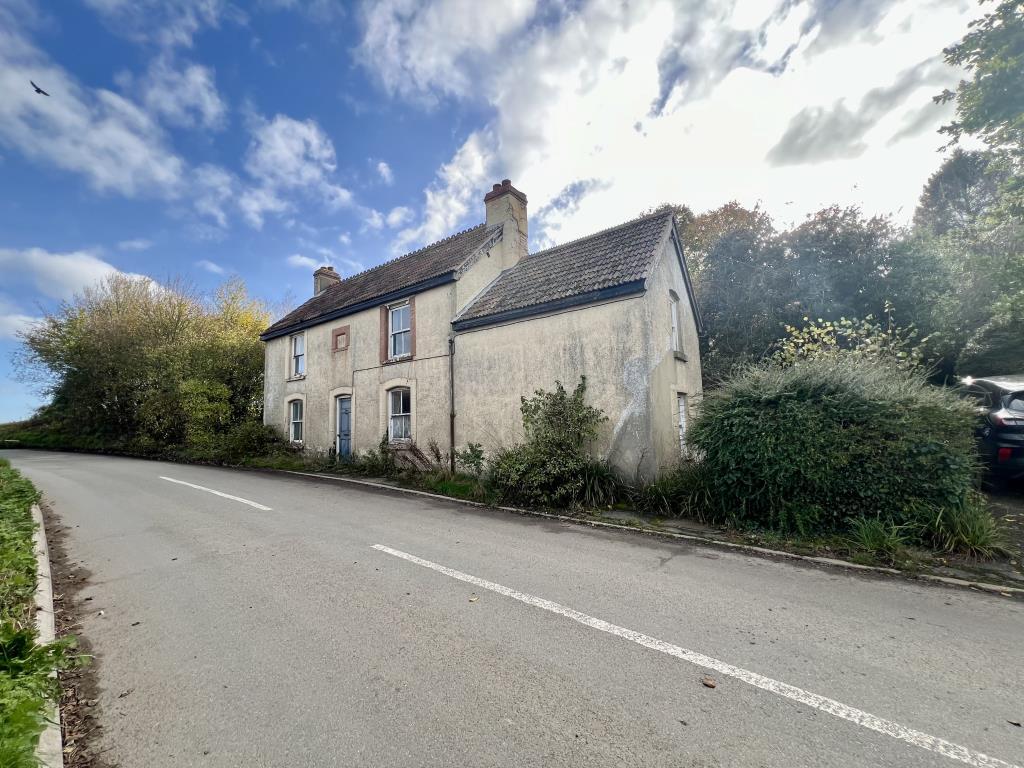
column 832, row 707
column 218, row 493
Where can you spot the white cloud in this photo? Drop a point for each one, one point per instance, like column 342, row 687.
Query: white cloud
column 345, row 238
column 303, row 262
column 104, row 137
column 456, row 189
column 213, row 189
column 418, row 48
column 138, row 244
column 54, row 275
column 289, row 156
column 384, row 171
column 184, row 96
column 672, row 100
column 210, row 266
column 13, row 323
column 372, row 218
column 164, row 22
column 398, row 216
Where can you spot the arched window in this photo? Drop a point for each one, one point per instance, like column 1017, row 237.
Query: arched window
column 295, row 421
column 399, row 414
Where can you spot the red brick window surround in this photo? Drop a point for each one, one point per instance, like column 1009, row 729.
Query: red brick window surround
column 340, row 339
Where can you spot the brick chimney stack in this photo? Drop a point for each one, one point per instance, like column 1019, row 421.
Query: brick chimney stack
column 506, row 205
column 323, row 278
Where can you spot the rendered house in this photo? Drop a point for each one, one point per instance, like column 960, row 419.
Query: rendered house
column 440, row 344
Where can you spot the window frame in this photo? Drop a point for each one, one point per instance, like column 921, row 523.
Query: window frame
column 403, row 415
column 405, row 333
column 682, row 421
column 674, row 312
column 296, row 361
column 292, row 421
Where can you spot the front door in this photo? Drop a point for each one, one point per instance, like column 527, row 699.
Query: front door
column 344, row 436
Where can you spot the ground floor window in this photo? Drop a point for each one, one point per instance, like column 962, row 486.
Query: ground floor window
column 681, row 402
column 295, row 421
column 399, row 414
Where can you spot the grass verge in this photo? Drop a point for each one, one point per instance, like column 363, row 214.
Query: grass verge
column 28, row 687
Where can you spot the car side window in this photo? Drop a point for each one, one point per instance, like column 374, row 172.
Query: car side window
column 1016, row 402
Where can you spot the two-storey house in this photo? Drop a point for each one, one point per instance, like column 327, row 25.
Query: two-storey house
column 441, row 343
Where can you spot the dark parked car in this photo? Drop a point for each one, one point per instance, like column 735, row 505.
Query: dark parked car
column 1000, row 401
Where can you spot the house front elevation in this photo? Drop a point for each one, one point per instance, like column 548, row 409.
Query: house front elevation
column 440, row 344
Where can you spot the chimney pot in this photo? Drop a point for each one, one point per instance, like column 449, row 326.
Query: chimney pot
column 323, row 278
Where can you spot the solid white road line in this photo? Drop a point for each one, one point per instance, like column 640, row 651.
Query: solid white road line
column 218, row 493
column 832, row 707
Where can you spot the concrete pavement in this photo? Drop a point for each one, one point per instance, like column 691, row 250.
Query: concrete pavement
column 277, row 635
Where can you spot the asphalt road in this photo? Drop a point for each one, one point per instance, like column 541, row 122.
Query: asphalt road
column 280, row 636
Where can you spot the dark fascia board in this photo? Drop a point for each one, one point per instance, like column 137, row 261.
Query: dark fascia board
column 351, row 309
column 678, row 243
column 632, row 288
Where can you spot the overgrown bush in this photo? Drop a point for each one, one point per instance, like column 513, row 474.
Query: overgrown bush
column 814, row 445
column 471, row 458
column 551, row 467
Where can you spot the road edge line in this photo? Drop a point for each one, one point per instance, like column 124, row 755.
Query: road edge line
column 776, row 553
column 50, row 750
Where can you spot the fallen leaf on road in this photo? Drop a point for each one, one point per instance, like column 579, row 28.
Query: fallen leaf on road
column 101, row 613
column 122, row 694
column 473, row 599
column 708, row 681
column 136, row 623
column 1014, row 722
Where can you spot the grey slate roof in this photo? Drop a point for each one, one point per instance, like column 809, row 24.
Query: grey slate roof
column 597, row 264
column 436, row 262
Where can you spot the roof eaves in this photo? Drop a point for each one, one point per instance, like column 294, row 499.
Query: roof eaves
column 359, row 306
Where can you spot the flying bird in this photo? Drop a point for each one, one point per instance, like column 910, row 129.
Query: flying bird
column 38, row 89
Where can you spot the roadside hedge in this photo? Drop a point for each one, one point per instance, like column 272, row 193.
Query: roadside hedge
column 811, row 447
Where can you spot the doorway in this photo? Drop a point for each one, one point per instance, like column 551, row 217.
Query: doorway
column 343, row 438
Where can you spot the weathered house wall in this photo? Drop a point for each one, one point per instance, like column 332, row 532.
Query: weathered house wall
column 358, row 372
column 624, row 349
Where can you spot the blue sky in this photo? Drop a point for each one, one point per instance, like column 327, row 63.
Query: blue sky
column 207, row 138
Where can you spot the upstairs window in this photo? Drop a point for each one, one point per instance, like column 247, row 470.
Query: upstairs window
column 295, row 421
column 298, row 365
column 399, row 331
column 399, row 414
column 674, row 307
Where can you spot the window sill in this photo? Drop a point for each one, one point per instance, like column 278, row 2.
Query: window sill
column 402, row 359
column 296, row 378
column 681, row 356
column 401, row 442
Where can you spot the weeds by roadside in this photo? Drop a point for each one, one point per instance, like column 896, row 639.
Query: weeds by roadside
column 27, row 687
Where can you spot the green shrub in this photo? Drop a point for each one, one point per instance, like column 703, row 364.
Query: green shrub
column 602, row 486
column 968, row 528
column 809, row 446
column 26, row 685
column 879, row 537
column 471, row 458
column 551, row 468
column 681, row 492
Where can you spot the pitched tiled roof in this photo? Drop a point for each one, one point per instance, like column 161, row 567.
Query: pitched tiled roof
column 438, row 260
column 619, row 256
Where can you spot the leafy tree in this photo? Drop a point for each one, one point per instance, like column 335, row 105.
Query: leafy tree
column 990, row 104
column 738, row 266
column 135, row 365
column 965, row 191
